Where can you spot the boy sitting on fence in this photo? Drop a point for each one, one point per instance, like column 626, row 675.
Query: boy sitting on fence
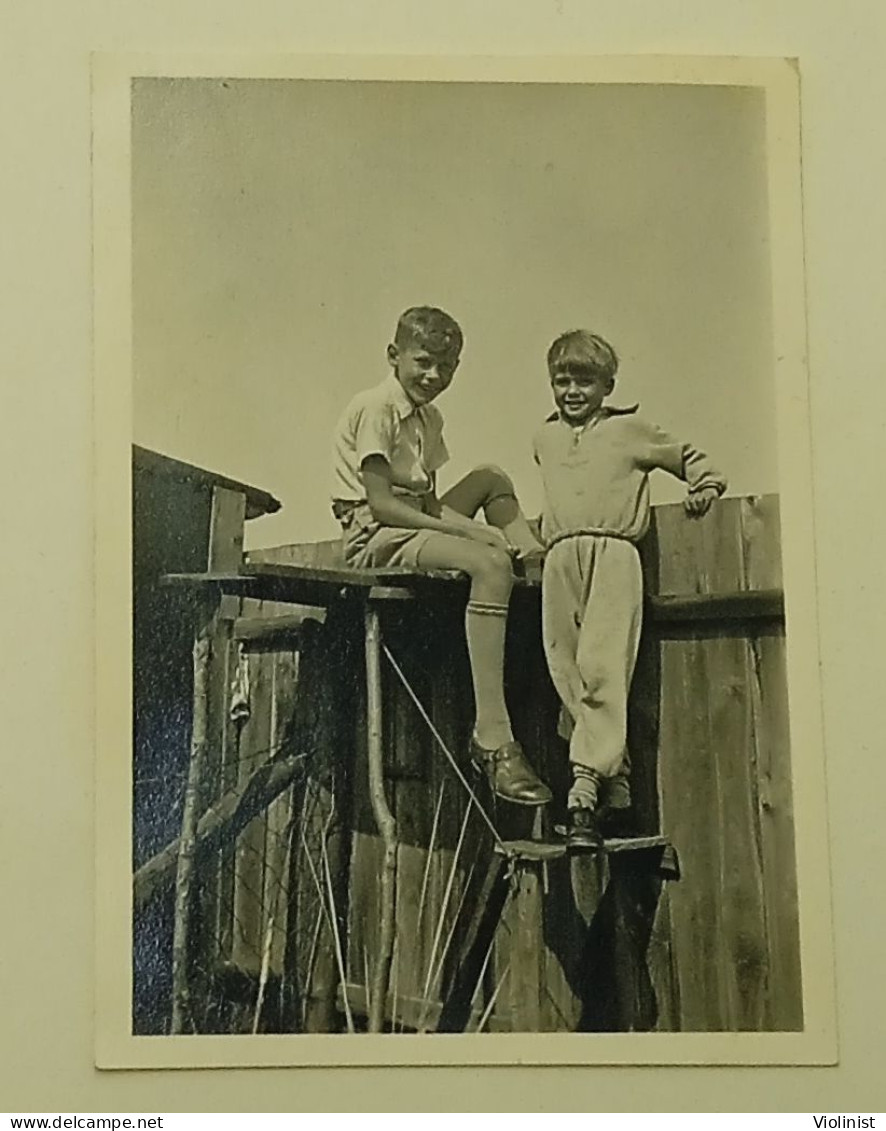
column 388, row 449
column 595, row 462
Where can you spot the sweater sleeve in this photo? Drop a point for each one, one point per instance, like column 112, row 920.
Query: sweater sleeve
column 659, row 449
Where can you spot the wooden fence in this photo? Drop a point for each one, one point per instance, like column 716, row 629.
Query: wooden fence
column 288, row 922
column 729, row 954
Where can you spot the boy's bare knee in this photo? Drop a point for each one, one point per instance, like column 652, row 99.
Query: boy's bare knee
column 494, row 567
column 495, row 480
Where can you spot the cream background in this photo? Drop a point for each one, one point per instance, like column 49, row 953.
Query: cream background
column 279, row 227
column 47, row 972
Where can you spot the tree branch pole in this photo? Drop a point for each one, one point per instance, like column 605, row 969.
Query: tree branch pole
column 383, row 818
column 187, row 848
column 221, row 823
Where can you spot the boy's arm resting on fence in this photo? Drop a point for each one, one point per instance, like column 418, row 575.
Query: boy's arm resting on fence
column 662, row 450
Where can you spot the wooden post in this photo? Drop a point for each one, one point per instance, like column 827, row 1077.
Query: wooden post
column 383, row 818
column 211, row 924
column 188, row 840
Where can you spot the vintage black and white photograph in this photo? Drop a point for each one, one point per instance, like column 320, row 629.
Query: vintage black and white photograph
column 460, row 673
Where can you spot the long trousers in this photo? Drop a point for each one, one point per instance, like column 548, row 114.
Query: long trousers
column 592, row 610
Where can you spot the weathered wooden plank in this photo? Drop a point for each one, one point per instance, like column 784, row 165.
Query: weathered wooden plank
column 225, row 551
column 255, row 746
column 689, row 813
column 768, row 681
column 230, row 779
column 226, row 529
column 419, row 785
column 311, row 975
column 314, row 585
column 183, row 1011
column 744, row 973
column 208, row 948
column 325, row 831
column 661, row 966
column 451, row 712
column 695, row 556
column 327, row 553
column 564, row 932
column 276, row 632
column 761, row 541
column 279, row 818
column 699, row 555
column 718, row 912
column 526, row 979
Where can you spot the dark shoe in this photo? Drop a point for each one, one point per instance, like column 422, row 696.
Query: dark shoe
column 616, row 823
column 509, row 774
column 582, row 830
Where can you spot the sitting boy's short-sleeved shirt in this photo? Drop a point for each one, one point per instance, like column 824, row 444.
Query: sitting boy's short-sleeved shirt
column 383, row 421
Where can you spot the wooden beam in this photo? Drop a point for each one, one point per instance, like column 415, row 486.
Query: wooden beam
column 269, row 632
column 226, row 529
column 312, row 585
column 749, row 605
column 222, row 823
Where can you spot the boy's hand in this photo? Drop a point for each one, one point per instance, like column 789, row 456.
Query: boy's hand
column 698, row 503
column 488, row 536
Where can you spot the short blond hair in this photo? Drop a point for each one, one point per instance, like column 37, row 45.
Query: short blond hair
column 580, row 349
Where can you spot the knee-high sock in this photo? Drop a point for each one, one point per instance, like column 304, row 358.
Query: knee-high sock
column 485, row 624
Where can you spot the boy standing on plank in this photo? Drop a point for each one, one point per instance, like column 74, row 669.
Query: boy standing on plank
column 595, row 462
column 388, row 448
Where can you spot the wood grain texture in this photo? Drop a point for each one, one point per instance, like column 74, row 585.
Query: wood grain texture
column 250, row 854
column 582, row 942
column 723, row 756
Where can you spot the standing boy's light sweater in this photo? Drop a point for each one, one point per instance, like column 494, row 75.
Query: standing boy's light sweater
column 596, row 476
column 596, row 508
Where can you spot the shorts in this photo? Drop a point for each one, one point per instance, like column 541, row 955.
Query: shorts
column 368, row 544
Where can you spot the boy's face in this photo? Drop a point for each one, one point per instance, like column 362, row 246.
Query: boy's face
column 579, row 391
column 423, row 372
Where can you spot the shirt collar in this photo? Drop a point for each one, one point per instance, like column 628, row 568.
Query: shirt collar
column 397, row 398
column 603, row 413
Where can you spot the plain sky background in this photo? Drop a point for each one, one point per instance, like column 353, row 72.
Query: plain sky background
column 280, row 226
